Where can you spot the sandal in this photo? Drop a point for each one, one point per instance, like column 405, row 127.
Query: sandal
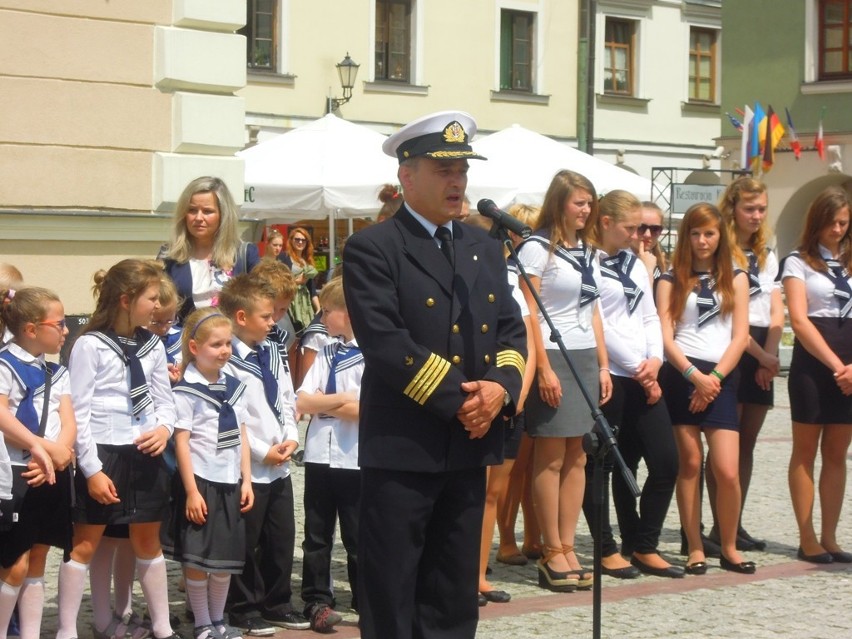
column 585, row 578
column 551, row 579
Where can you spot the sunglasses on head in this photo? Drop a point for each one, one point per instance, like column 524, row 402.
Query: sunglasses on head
column 655, row 229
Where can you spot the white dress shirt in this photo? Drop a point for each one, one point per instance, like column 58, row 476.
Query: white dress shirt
column 201, row 419
column 262, row 425
column 818, row 287
column 331, row 440
column 100, row 391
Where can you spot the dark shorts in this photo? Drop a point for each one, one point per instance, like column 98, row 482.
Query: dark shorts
column 142, row 483
column 748, row 392
column 815, row 397
column 722, row 411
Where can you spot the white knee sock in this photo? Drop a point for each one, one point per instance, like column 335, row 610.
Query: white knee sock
column 100, row 581
column 217, row 593
column 31, row 600
column 8, row 599
column 152, row 577
column 124, row 572
column 196, row 592
column 72, row 582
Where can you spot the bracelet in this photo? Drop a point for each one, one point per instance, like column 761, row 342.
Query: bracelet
column 604, row 368
column 718, row 375
column 689, row 371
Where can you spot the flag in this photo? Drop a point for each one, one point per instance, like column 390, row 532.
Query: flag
column 734, row 122
column 748, row 121
column 754, row 136
column 794, row 138
column 819, row 142
column 773, row 131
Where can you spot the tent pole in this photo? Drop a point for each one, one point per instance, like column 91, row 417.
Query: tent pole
column 332, row 243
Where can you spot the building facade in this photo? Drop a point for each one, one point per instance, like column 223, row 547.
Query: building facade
column 108, row 110
column 793, row 54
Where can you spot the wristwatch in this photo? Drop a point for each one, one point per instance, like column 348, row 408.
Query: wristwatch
column 507, row 399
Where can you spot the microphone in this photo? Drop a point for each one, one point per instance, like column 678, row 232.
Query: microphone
column 489, row 209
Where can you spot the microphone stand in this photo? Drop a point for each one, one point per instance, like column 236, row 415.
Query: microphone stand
column 599, row 443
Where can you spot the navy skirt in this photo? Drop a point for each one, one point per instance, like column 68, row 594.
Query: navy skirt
column 748, row 392
column 677, row 391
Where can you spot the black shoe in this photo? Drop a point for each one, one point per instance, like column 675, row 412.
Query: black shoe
column 482, row 600
column 496, row 596
column 627, row 572
column 291, row 620
column 747, row 542
column 698, row 568
column 744, row 567
column 821, row 558
column 672, row 572
column 253, row 626
column 841, row 557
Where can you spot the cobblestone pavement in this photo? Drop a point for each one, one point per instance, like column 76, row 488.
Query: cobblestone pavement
column 785, row 598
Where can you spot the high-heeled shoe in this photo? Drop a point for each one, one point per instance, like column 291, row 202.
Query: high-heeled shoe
column 585, row 578
column 551, row 579
column 744, row 567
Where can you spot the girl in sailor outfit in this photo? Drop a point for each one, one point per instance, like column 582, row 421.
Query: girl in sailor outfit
column 819, row 297
column 125, row 416
column 703, row 307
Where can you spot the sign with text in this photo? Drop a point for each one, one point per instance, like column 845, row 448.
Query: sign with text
column 685, row 195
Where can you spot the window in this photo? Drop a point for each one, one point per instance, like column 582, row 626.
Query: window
column 516, row 50
column 393, row 40
column 619, row 55
column 835, row 39
column 261, row 34
column 702, row 65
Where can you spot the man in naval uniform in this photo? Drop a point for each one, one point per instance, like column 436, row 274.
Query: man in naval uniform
column 444, row 348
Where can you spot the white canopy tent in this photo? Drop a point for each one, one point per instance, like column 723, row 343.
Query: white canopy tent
column 324, row 169
column 522, row 163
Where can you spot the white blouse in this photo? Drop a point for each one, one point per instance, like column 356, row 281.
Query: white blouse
column 201, row 419
column 818, row 287
column 631, row 338
column 560, row 295
column 100, row 391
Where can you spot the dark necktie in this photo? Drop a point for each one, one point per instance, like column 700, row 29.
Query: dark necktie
column 261, row 357
column 140, row 396
column 446, row 237
column 229, row 429
column 343, row 354
column 708, row 307
column 618, row 268
column 753, row 279
column 580, row 258
column 842, row 290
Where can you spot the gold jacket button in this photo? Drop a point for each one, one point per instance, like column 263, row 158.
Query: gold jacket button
column 491, row 297
column 430, row 302
column 456, row 329
column 456, row 359
column 484, row 328
column 409, row 360
column 487, row 359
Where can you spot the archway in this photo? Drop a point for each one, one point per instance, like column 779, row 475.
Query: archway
column 789, row 224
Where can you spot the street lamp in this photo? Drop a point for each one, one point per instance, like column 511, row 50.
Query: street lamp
column 347, row 69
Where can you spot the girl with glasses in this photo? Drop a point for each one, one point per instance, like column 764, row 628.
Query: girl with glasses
column 646, row 244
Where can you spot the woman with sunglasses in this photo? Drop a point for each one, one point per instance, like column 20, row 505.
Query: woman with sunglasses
column 300, row 253
column 206, row 250
column 646, row 243
column 743, row 207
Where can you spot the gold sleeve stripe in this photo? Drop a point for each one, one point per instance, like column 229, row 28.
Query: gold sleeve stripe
column 427, row 379
column 511, row 358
